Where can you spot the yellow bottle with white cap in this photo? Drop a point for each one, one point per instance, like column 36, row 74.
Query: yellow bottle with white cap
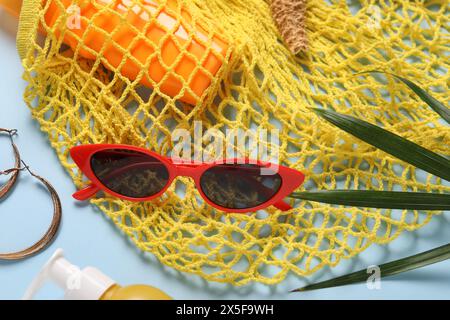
column 88, row 284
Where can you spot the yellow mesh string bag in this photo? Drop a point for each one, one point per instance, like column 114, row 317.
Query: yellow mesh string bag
column 79, row 100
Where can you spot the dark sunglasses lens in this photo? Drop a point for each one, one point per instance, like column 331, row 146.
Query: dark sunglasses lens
column 130, row 173
column 236, row 186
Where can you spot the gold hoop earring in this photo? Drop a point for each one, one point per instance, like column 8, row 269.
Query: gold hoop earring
column 57, row 209
column 4, row 189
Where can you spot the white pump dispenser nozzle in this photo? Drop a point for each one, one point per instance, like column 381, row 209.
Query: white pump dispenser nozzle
column 86, row 284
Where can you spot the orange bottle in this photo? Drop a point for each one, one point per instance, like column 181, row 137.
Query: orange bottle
column 101, row 31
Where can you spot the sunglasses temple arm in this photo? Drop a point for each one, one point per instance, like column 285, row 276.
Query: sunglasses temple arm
column 86, row 193
column 282, row 205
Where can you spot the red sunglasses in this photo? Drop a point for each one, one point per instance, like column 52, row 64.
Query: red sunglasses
column 136, row 174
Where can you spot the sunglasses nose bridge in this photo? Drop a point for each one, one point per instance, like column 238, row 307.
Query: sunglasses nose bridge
column 186, row 170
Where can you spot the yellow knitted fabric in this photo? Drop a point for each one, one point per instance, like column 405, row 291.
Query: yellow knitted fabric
column 78, row 101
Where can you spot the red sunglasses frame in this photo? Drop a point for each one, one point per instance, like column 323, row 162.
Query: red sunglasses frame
column 81, row 155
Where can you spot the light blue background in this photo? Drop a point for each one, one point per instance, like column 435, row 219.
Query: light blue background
column 89, row 239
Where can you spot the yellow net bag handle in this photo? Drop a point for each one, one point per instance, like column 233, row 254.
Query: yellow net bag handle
column 28, row 23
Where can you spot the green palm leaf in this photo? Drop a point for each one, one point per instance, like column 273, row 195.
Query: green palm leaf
column 379, row 199
column 390, row 143
column 389, row 269
column 438, row 107
column 406, row 151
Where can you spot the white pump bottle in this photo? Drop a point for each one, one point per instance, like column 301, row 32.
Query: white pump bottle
column 87, row 284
